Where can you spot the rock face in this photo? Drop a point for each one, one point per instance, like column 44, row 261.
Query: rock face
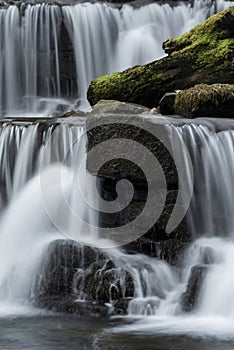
column 203, row 55
column 83, row 280
column 123, row 158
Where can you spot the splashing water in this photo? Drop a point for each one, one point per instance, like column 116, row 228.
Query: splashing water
column 210, row 218
column 26, row 229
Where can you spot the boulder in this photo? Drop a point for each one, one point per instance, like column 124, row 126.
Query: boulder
column 83, row 280
column 203, row 55
column 167, row 103
column 204, row 100
column 190, row 298
column 127, row 130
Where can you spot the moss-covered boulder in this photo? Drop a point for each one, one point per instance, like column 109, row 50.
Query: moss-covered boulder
column 203, row 55
column 203, row 100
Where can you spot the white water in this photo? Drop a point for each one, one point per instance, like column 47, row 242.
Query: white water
column 211, row 216
column 35, row 77
column 26, row 229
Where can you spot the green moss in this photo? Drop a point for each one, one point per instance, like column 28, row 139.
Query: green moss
column 211, row 42
column 203, row 55
column 217, row 27
column 216, row 100
column 218, row 55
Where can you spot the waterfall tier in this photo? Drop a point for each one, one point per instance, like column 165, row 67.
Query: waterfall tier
column 152, row 286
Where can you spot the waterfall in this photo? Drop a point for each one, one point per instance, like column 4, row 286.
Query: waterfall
column 25, row 228
column 212, row 218
column 212, row 161
column 39, row 162
column 29, row 57
column 48, row 175
column 206, row 279
column 21, row 149
column 50, row 53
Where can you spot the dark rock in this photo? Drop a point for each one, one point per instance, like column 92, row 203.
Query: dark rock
column 122, row 127
column 62, row 261
column 121, row 306
column 192, row 294
column 170, row 250
column 73, row 272
column 203, row 55
column 155, row 137
column 167, row 103
column 72, row 306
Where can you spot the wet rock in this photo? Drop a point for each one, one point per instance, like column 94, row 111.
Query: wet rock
column 62, row 261
column 74, row 272
column 170, row 250
column 121, row 306
column 121, row 127
column 190, row 298
column 72, row 306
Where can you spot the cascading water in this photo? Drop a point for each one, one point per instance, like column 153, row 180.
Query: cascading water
column 49, row 54
column 26, row 229
column 158, row 287
column 209, row 258
column 214, row 196
column 24, row 238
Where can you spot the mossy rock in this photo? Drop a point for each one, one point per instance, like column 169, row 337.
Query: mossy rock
column 203, row 55
column 203, row 100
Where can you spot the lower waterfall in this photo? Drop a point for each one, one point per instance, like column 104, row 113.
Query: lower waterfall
column 162, row 297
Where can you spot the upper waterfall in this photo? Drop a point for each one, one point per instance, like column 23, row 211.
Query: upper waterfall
column 50, row 53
